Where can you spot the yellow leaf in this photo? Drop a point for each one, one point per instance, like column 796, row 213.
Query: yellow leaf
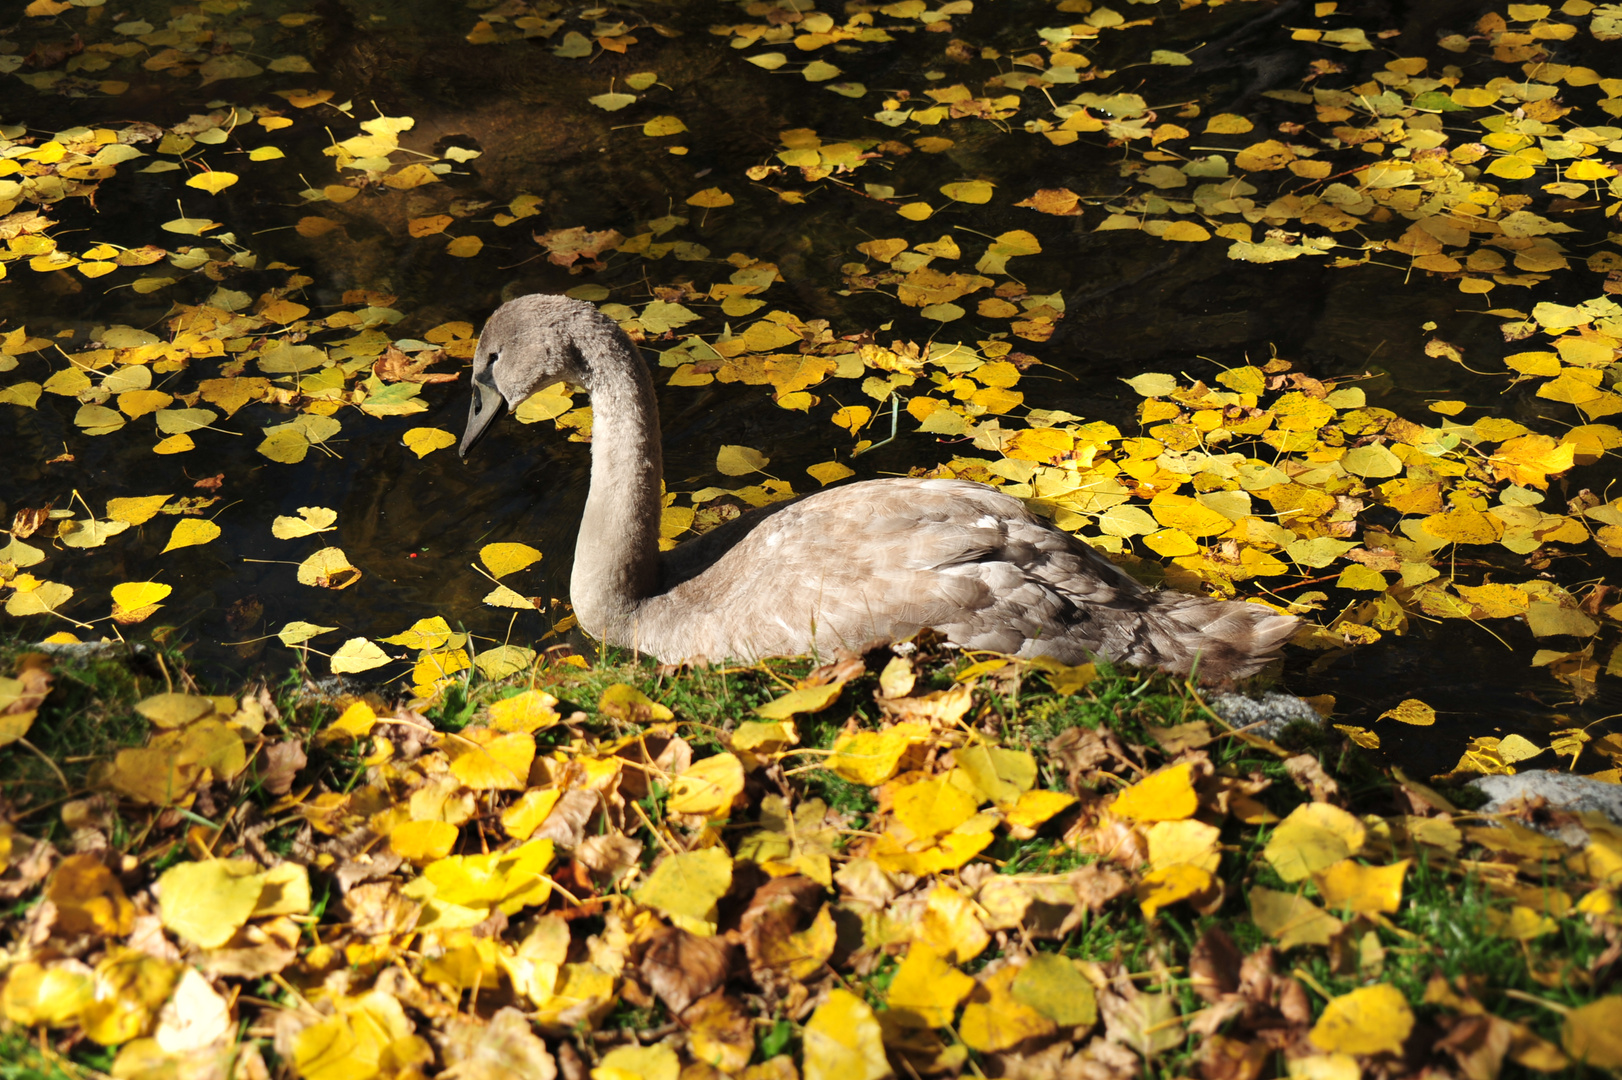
column 464, row 247
column 1369, row 1020
column 1363, row 889
column 310, row 520
column 828, row 472
column 506, row 880
column 915, row 211
column 872, row 757
column 135, row 511
column 212, row 182
column 1167, row 795
column 1185, row 231
column 968, row 191
column 927, row 988
column 633, row 1062
column 190, row 532
column 710, row 198
column 423, row 441
column 430, row 633
column 487, row 760
column 672, row 125
column 951, row 925
column 1292, row 919
column 1411, row 711
column 423, row 841
column 531, row 710
column 930, row 808
column 686, row 888
column 207, row 902
column 1188, row 515
column 328, row 569
column 995, row 1019
column 805, row 700
column 708, row 786
column 1169, row 884
column 139, row 594
column 1313, row 837
column 1592, row 1033
column 843, row 1041
column 356, row 655
column 1227, row 124
column 523, row 817
column 507, row 558
column 627, row 703
column 740, row 460
column 1055, row 987
column 805, row 953
column 1036, row 807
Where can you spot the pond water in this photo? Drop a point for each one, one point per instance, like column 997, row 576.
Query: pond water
column 500, row 94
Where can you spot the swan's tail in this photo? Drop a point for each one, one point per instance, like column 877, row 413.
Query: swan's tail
column 1218, row 640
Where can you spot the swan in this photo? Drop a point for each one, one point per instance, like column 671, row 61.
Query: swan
column 848, row 566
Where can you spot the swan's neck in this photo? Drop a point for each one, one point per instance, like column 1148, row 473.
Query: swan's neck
column 616, row 559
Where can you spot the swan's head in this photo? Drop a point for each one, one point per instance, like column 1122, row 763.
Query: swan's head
column 527, row 345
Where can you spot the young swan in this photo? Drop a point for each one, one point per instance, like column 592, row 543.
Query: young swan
column 877, row 560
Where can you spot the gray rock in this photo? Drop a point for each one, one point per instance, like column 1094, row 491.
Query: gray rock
column 1563, row 791
column 1266, row 715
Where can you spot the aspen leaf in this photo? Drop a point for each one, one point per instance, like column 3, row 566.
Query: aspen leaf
column 672, row 125
column 1291, row 918
column 508, row 558
column 212, row 182
column 135, row 597
column 464, row 247
column 524, row 816
column 633, row 1062
column 819, row 71
column 356, row 721
column 136, row 511
column 502, row 596
column 915, row 211
column 806, row 700
column 358, row 654
column 190, row 532
column 1592, row 1033
column 928, row 988
column 1411, row 711
column 528, row 711
column 973, row 192
column 707, row 786
column 686, row 887
column 173, row 710
column 1369, row 1020
column 310, row 520
column 740, row 460
column 710, row 198
column 1166, row 795
column 1169, row 884
column 829, row 472
column 1227, row 124
column 488, row 760
column 328, row 569
column 625, row 702
column 298, row 632
column 1363, row 889
column 612, row 102
column 508, row 881
column 1055, row 987
column 1313, row 837
column 871, row 757
column 843, row 1041
column 994, row 1019
column 207, row 902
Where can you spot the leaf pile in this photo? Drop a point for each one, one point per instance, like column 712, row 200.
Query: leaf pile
column 648, row 892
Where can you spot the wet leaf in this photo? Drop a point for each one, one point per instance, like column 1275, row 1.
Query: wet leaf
column 191, row 532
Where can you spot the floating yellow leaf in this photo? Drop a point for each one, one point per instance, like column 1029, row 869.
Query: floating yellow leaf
column 740, row 460
column 1369, row 1020
column 212, row 182
column 968, row 191
column 137, row 598
column 1411, row 711
column 136, row 511
column 423, row 441
column 190, row 532
column 464, row 247
column 507, row 558
column 328, row 569
column 310, row 520
column 710, row 198
column 358, row 654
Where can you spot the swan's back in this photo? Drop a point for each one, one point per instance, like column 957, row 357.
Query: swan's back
column 884, row 559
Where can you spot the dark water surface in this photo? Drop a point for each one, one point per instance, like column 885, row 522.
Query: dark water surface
column 414, row 527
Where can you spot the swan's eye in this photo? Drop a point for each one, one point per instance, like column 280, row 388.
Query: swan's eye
column 492, row 358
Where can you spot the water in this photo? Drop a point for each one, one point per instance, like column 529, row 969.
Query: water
column 415, row 526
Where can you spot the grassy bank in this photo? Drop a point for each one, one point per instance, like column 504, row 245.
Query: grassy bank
column 920, row 864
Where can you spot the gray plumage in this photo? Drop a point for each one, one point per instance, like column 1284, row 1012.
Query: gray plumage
column 849, row 566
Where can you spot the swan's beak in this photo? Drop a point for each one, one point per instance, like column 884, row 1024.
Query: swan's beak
column 487, row 404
